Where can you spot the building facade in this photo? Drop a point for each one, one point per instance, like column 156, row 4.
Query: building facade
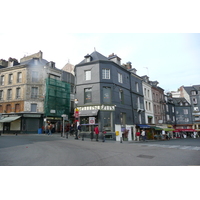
column 23, row 90
column 103, row 90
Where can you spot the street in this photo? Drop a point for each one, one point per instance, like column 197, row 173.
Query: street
column 44, row 150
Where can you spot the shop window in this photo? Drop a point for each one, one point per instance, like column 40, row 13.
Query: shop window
column 107, row 121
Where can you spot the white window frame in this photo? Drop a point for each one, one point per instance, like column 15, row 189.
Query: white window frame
column 105, row 73
column 87, row 75
column 120, row 78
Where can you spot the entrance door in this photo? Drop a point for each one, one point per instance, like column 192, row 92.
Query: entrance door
column 6, row 127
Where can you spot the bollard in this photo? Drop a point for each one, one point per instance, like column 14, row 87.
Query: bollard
column 120, row 139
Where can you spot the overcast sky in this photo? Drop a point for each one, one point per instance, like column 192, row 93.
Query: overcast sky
column 158, row 44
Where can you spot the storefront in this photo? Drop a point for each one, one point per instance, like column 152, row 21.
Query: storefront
column 180, row 133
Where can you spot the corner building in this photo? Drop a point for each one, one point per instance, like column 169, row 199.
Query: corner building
column 109, row 92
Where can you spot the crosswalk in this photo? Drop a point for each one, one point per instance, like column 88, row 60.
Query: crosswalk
column 195, row 148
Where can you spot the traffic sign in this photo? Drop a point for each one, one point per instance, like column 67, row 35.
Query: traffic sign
column 91, row 120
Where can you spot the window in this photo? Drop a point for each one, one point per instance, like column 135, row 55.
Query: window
column 137, row 87
column 121, row 96
column 88, row 75
column 149, row 106
column 17, row 107
column 173, row 109
column 107, row 122
column 34, row 92
column 168, row 118
column 35, row 76
column 120, row 78
column 148, row 93
column 19, row 77
column 194, row 100
column 9, row 94
column 185, row 111
column 193, row 92
column 88, row 95
column 196, row 109
column 18, row 93
column 2, row 80
column 146, row 105
column 106, row 95
column 138, row 102
column 186, row 119
column 33, row 107
column 8, row 108
column 105, row 74
column 145, row 92
column 123, row 119
column 10, row 78
column 1, row 109
column 1, row 94
column 167, row 108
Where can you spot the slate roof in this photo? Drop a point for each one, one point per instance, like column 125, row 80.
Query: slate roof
column 94, row 57
column 192, row 88
column 180, row 99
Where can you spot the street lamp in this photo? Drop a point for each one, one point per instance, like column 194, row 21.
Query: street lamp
column 76, row 115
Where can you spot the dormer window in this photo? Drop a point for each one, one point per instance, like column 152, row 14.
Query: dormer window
column 193, row 92
column 88, row 58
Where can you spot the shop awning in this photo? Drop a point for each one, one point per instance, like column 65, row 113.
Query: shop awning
column 157, row 128
column 184, row 130
column 9, row 119
column 88, row 113
column 168, row 129
column 143, row 126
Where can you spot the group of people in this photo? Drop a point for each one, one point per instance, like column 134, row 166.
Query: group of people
column 141, row 135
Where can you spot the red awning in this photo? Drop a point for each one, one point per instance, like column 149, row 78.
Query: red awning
column 184, row 130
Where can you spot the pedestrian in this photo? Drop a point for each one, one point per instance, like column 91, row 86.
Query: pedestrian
column 49, row 127
column 138, row 136
column 79, row 130
column 143, row 135
column 103, row 135
column 71, row 130
column 96, row 130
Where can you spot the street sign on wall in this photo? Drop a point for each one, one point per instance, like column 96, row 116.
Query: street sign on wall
column 91, row 120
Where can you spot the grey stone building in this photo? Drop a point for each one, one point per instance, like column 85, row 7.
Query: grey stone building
column 192, row 95
column 183, row 121
column 109, row 92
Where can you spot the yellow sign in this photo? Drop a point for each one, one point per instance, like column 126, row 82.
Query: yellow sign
column 117, row 133
column 76, row 109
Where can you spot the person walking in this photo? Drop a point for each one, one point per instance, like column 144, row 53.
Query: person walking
column 143, row 135
column 103, row 135
column 96, row 130
column 49, row 127
column 138, row 136
column 79, row 130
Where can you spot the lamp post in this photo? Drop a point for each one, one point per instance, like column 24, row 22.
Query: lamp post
column 76, row 115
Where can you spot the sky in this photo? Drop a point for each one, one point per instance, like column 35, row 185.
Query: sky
column 163, row 46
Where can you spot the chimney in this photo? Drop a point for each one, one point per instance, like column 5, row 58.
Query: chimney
column 12, row 62
column 115, row 58
column 128, row 65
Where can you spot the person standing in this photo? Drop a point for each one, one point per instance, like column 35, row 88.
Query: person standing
column 143, row 135
column 96, row 130
column 138, row 136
